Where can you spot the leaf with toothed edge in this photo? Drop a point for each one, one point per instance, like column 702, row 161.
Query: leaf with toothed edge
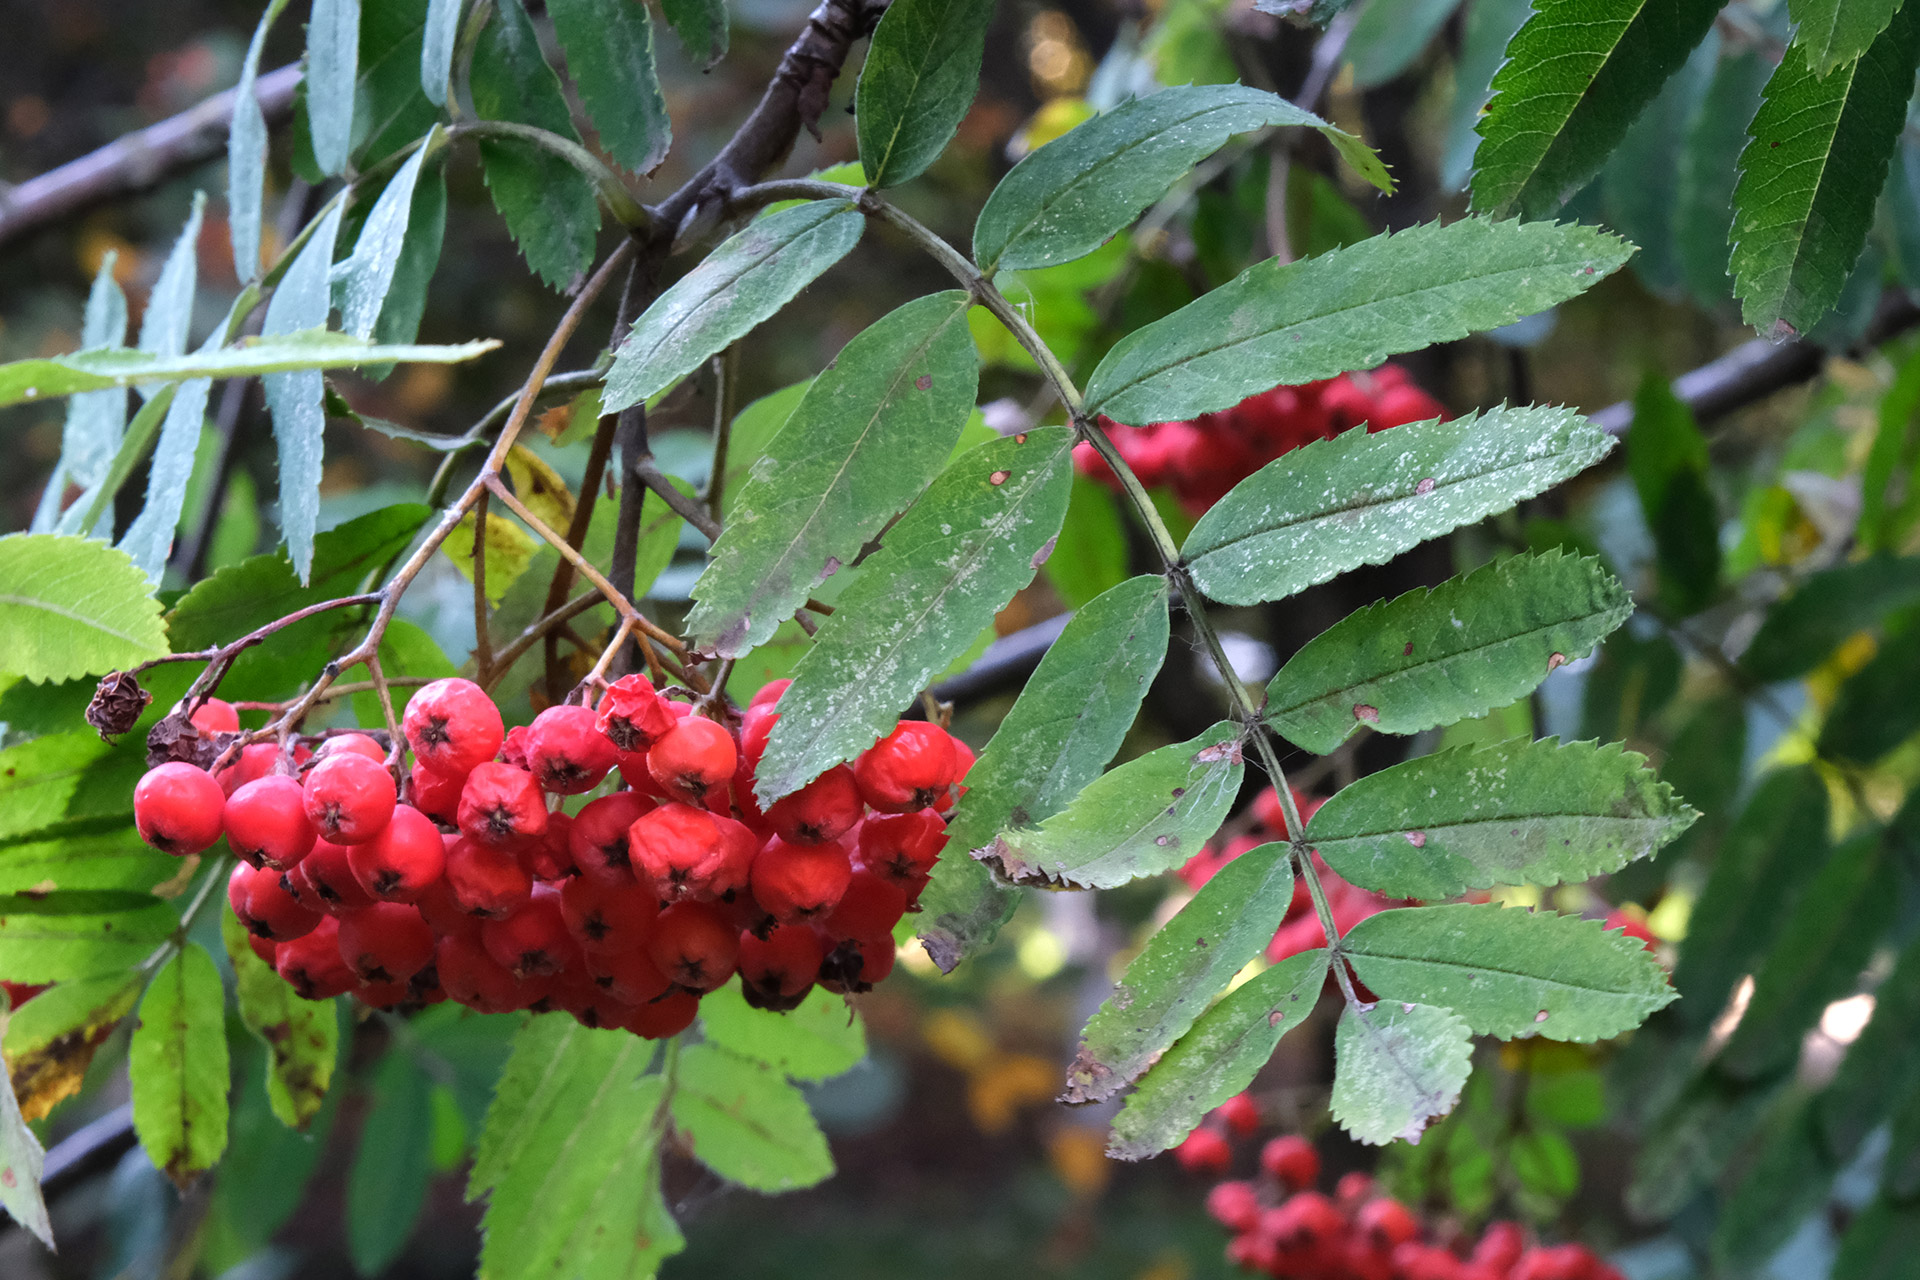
column 746, row 1123
column 302, row 1037
column 73, row 607
column 1148, row 816
column 177, row 1061
column 333, row 60
column 302, row 301
column 21, row 1160
column 918, row 82
column 609, row 47
column 1397, row 1068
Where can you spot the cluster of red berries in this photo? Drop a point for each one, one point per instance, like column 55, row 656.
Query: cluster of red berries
column 477, row 887
column 1283, row 1227
column 1202, row 459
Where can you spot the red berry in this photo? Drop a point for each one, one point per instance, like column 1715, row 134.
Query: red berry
column 908, row 769
column 1234, row 1205
column 693, row 758
column 266, row 948
column 551, row 856
column 312, row 964
column 386, row 942
column 502, row 806
column 533, row 940
column 598, row 840
column 768, row 694
column 902, row 847
column 178, row 808
column 436, row 794
column 631, row 977
column 1291, row 1161
column 358, row 744
column 272, row 912
column 214, row 716
column 1415, row 1261
column 349, row 798
column 566, row 753
column 443, row 912
column 239, row 881
column 684, row 852
column 695, row 945
column 1205, row 1150
column 777, row 971
column 406, row 857
column 871, row 906
column 266, row 822
column 513, row 748
column 382, row 995
column 756, row 726
column 328, row 873
column 473, row 978
column 591, row 1005
column 1304, row 1221
column 1500, row 1246
column 857, row 964
column 608, row 917
column 632, row 715
column 668, row 1016
column 825, row 809
column 486, row 881
column 1386, row 1223
column 1353, row 1189
column 256, row 761
column 1241, row 1115
column 453, row 726
column 1633, row 926
column 800, row 882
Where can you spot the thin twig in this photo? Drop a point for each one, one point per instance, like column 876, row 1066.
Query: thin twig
column 689, row 509
column 540, row 629
column 482, row 634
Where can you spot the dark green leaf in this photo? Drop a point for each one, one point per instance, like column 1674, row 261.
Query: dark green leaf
column 820, row 1039
column 264, row 1176
column 1489, row 27
column 1667, row 458
column 945, row 568
column 921, row 73
column 1638, row 187
column 72, row 607
column 1397, row 1068
column 1874, row 711
column 1189, row 961
column 388, row 1185
column 333, row 54
column 1633, row 681
column 1388, row 37
column 1431, row 658
column 178, row 1064
column 1788, row 1180
column 1690, row 1142
column 1218, row 1058
column 1881, row 1243
column 1881, row 1069
column 1835, row 32
column 1890, row 480
column 1363, row 498
column 609, row 46
column 701, row 26
column 1802, row 630
column 1709, row 168
column 302, row 1037
column 247, row 154
column 871, row 433
column 1091, row 555
column 746, row 1123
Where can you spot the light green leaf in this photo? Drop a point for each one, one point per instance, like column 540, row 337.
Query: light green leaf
column 733, row 289
column 436, row 48
column 1064, row 727
column 702, row 28
column 1434, row 657
column 149, row 539
column 1218, row 1058
column 945, row 568
column 1363, row 498
column 921, row 73
column 1576, row 76
column 1148, row 816
column 1289, row 323
column 746, row 1123
column 51, row 1041
column 870, row 434
column 1510, row 972
column 609, row 46
column 388, row 1185
column 178, row 1062
column 169, row 311
column 1184, row 966
column 71, row 607
column 1397, row 1068
column 1835, row 32
column 362, row 279
column 821, row 1039
column 1516, row 812
column 333, row 55
column 302, row 1037
column 1069, row 197
column 1811, row 174
column 86, row 853
column 247, row 154
column 21, row 1159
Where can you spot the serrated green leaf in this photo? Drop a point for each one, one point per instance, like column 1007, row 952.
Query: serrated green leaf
column 1064, row 727
column 821, row 1039
column 79, row 934
column 1708, row 172
column 945, row 568
column 302, row 301
column 388, row 1184
column 333, row 55
column 406, row 299
column 1387, row 38
column 21, row 1159
column 1189, row 961
column 1515, row 812
column 746, row 1123
column 1148, row 816
column 1835, row 32
column 920, row 77
column 87, row 853
column 870, row 434
column 163, row 331
column 51, row 1040
column 1363, row 498
column 169, row 310
column 178, row 1064
column 436, row 48
column 302, row 1037
column 1802, row 630
column 1218, row 1058
column 1873, row 712
column 91, row 438
column 702, row 28
column 733, row 289
column 1880, row 1069
column 1289, row 323
column 1434, row 657
column 247, row 154
column 1811, row 174
column 1576, row 75
column 1510, row 972
column 71, row 607
column 1397, row 1068
column 40, row 781
column 1069, row 197
column 609, row 46
column 362, row 280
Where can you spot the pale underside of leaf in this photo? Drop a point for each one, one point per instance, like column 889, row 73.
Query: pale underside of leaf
column 1398, row 1067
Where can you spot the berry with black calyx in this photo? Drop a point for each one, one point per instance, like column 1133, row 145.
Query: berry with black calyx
column 386, row 942
column 408, row 855
column 272, row 912
column 533, row 941
column 799, row 883
column 598, row 840
column 909, row 769
column 694, row 945
column 312, row 964
column 349, row 798
column 825, row 809
column 777, row 971
column 608, row 918
column 502, row 806
column 266, row 822
column 178, row 808
column 566, row 753
column 453, row 726
column 857, row 964
column 485, row 881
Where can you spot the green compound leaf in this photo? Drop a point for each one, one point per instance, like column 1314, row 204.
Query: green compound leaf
column 920, row 77
column 333, row 57
column 871, row 432
column 1881, row 1242
column 84, row 853
column 1436, row 657
column 1068, row 198
column 1873, row 714
column 51, row 1041
column 1148, row 816
column 1063, row 729
column 247, row 154
column 746, row 1123
column 1397, row 1068
column 1218, row 1058
column 1189, row 961
column 437, row 38
column 1289, row 323
column 733, row 289
column 609, row 47
column 80, row 933
column 1829, row 606
column 817, row 1041
column 178, row 1062
column 1518, row 812
column 71, row 607
column 1811, row 174
column 702, row 28
column 1835, row 32
column 1667, row 458
column 1576, row 76
column 1510, row 972
column 302, row 1037
column 1363, row 498
column 952, row 561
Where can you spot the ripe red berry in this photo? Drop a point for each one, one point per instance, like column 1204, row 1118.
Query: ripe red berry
column 777, row 971
column 256, row 761
column 266, row 822
column 452, row 726
column 382, row 995
column 327, row 874
column 695, row 945
column 406, row 857
column 349, row 798
column 312, row 964
column 756, row 726
column 178, row 808
column 1499, row 1246
column 825, row 809
column 1386, row 1223
column 436, row 794
column 566, row 753
column 358, row 744
column 266, row 948
column 768, row 694
column 239, row 881
column 1234, row 1205
column 902, row 848
column 1415, row 1261
column 598, row 840
column 485, row 881
column 502, row 806
column 551, row 856
column 1291, row 1161
column 605, row 917
column 632, row 715
column 631, row 977
column 684, row 852
column 1241, row 1115
column 908, row 769
column 272, row 912
column 668, row 1016
column 513, row 748
column 533, row 940
column 214, row 716
column 870, row 907
column 857, row 964
column 800, row 882
column 1304, row 1221
column 472, row 977
column 1353, row 1189
column 693, row 758
column 1205, row 1150
column 442, row 911
column 386, row 942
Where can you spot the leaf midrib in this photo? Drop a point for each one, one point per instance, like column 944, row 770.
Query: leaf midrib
column 1433, row 828
column 1515, row 974
column 917, row 70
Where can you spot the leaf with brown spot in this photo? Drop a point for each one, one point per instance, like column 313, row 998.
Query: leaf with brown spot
column 302, row 1036
column 178, row 1063
column 539, row 486
column 51, row 1039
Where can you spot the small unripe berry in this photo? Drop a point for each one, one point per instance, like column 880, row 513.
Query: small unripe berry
column 386, row 942
column 533, row 940
column 178, row 808
column 668, row 1016
column 406, row 857
column 358, row 744
column 695, row 945
column 797, row 882
column 327, row 874
column 632, row 714
column 266, row 822
column 608, row 917
column 857, row 964
column 693, row 758
column 502, row 806
column 486, row 881
column 825, row 809
column 566, row 753
column 453, row 726
column 312, row 964
column 214, row 716
column 598, row 840
column 349, row 798
column 272, row 912
column 777, row 971
column 909, row 769
column 1291, row 1161
column 436, row 794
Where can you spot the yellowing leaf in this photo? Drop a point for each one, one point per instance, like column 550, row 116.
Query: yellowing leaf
column 510, row 550
column 540, row 487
